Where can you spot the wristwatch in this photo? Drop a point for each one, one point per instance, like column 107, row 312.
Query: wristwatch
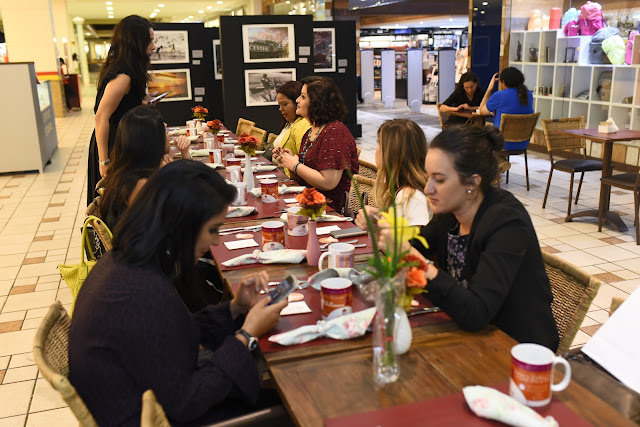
column 252, row 341
column 104, row 162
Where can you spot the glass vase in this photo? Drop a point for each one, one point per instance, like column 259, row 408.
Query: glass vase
column 388, row 296
column 248, row 172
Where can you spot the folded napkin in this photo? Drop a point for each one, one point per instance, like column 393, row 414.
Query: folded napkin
column 489, row 403
column 351, row 325
column 291, row 190
column 215, row 165
column 192, row 137
column 238, row 211
column 262, row 168
column 281, row 256
column 242, row 153
column 176, row 132
column 203, row 152
column 324, row 218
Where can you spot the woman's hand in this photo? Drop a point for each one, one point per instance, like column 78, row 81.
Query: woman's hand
column 103, row 170
column 183, row 145
column 148, row 97
column 464, row 107
column 287, row 159
column 493, row 82
column 249, row 292
column 262, row 317
column 372, row 213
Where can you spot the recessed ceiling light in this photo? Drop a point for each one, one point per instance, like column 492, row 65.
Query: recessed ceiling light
column 288, row 2
column 482, row 12
column 220, row 2
column 109, row 7
column 110, row 16
column 161, row 5
column 475, row 8
column 190, row 17
column 109, row 3
column 88, row 34
column 209, row 7
column 156, row 10
column 450, row 19
column 201, row 11
column 421, row 22
column 484, row 3
column 153, row 15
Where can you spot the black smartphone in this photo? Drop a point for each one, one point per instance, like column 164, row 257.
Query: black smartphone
column 158, row 98
column 348, row 232
column 283, row 290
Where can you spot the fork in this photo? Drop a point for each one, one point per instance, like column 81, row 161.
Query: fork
column 324, row 245
column 250, row 229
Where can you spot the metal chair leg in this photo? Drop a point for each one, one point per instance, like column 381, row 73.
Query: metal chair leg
column 579, row 187
column 636, row 197
column 546, row 193
column 570, row 195
column 526, row 168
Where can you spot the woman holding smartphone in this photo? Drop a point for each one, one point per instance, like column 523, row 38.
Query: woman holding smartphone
column 121, row 87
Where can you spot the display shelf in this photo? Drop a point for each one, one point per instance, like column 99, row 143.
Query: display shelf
column 545, row 78
column 635, row 121
column 544, row 104
column 548, row 40
column 562, row 79
column 579, row 109
column 623, row 79
column 597, row 113
column 622, row 116
column 560, row 109
column 581, row 82
column 531, row 46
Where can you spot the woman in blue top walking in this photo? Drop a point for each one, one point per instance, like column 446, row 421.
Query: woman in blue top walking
column 513, row 97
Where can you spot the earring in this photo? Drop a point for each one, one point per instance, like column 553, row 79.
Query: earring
column 468, row 191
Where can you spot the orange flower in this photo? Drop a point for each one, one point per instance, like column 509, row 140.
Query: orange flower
column 416, row 259
column 214, row 125
column 310, row 198
column 416, row 278
column 199, row 109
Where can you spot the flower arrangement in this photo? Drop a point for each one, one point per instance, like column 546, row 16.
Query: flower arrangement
column 415, row 279
column 312, row 203
column 248, row 143
column 214, row 126
column 199, row 112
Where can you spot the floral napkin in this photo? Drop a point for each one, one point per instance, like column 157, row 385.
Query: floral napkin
column 238, row 211
column 263, row 168
column 351, row 325
column 489, row 403
column 176, row 132
column 281, row 256
column 203, row 152
column 283, row 189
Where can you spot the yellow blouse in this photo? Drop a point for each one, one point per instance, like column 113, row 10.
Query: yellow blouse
column 293, row 136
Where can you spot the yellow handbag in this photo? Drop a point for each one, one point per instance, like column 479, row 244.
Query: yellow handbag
column 75, row 274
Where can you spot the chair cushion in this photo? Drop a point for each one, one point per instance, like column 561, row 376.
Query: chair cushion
column 623, row 180
column 578, row 165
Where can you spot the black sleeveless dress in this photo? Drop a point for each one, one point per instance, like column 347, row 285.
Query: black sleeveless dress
column 131, row 99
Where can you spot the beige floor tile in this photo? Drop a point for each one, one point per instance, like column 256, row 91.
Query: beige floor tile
column 600, row 316
column 8, row 273
column 25, row 373
column 15, row 398
column 42, row 269
column 64, row 295
column 582, row 241
column 630, row 264
column 628, row 286
column 11, row 260
column 13, row 316
column 592, row 269
column 612, row 253
column 609, row 267
column 4, row 362
column 46, row 245
column 23, row 359
column 627, row 275
column 5, row 286
column 45, row 397
column 37, row 313
column 28, row 281
column 46, row 286
column 62, row 417
column 29, row 301
column 588, row 322
column 580, row 339
column 558, row 230
column 606, row 293
column 31, row 324
column 13, row 248
column 579, row 258
column 17, row 421
column 49, row 278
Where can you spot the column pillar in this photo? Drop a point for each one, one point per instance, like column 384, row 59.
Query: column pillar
column 84, row 67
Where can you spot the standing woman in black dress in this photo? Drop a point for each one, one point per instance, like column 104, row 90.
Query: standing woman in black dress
column 121, row 87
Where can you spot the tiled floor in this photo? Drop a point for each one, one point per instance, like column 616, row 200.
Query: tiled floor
column 41, row 215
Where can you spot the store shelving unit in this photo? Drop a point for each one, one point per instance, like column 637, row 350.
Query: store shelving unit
column 401, row 74
column 377, row 67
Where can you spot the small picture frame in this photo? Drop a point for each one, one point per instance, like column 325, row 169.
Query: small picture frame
column 569, row 54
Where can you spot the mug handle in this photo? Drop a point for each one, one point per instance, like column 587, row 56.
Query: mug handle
column 567, row 374
column 322, row 257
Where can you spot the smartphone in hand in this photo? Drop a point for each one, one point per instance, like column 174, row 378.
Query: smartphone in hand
column 283, row 290
column 158, row 98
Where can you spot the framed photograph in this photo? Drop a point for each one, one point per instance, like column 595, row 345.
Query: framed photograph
column 324, row 54
column 569, row 54
column 177, row 82
column 172, row 47
column 268, row 43
column 261, row 85
column 217, row 60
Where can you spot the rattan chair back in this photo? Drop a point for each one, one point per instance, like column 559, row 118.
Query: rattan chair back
column 365, row 186
column 244, row 126
column 152, row 413
column 573, row 291
column 50, row 351
column 358, row 151
column 367, row 169
column 557, row 142
column 518, row 127
column 260, row 134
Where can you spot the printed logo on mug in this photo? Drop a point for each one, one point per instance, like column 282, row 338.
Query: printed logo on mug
column 272, row 235
column 532, row 374
column 233, row 161
column 269, row 190
column 341, row 255
column 335, row 297
column 228, row 151
column 241, row 196
column 233, row 173
column 297, row 225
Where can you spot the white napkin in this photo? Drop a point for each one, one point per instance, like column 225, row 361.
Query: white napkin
column 238, row 211
column 262, row 168
column 215, row 165
column 281, row 256
column 489, row 403
column 351, row 325
column 291, row 190
column 324, row 218
column 176, row 132
column 203, row 152
column 610, row 124
column 192, row 137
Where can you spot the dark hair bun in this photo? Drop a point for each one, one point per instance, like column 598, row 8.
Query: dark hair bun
column 494, row 138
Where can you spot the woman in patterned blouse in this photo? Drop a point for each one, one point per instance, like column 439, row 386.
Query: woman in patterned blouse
column 328, row 150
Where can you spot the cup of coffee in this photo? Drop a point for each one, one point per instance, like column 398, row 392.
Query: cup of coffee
column 192, row 132
column 272, row 235
column 341, row 255
column 217, row 155
column 191, row 124
column 209, row 143
column 220, row 138
column 335, row 297
column 269, row 190
column 531, row 380
column 241, row 196
column 297, row 225
column 233, row 173
column 233, row 161
column 228, row 151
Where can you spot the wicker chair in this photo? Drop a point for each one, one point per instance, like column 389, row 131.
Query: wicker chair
column 50, row 351
column 518, row 128
column 556, row 142
column 270, row 140
column 365, row 186
column 261, row 134
column 442, row 116
column 626, row 181
column 573, row 290
column 358, row 151
column 244, row 126
column 152, row 413
column 367, row 169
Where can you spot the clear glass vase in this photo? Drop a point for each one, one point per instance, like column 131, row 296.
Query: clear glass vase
column 388, row 293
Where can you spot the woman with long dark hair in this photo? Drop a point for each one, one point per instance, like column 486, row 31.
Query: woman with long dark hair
column 121, row 87
column 513, row 97
column 132, row 332
column 467, row 96
column 294, row 126
column 328, row 149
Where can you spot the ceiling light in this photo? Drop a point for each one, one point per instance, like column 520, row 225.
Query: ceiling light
column 153, row 15
column 219, row 2
column 209, row 7
column 109, row 7
column 450, row 19
column 201, row 11
column 109, row 3
column 475, row 8
column 288, row 2
column 482, row 12
column 161, row 5
column 110, row 16
column 156, row 10
column 190, row 17
column 484, row 3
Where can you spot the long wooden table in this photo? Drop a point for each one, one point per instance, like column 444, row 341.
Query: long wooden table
column 607, row 139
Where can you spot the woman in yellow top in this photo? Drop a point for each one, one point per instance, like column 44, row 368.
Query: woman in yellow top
column 294, row 126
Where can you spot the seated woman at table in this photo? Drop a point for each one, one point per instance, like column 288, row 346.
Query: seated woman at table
column 294, row 126
column 401, row 149
column 141, row 148
column 513, row 97
column 467, row 96
column 130, row 330
column 328, row 150
column 489, row 265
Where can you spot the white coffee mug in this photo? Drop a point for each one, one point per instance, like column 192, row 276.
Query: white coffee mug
column 217, row 155
column 191, row 124
column 234, row 173
column 341, row 255
column 531, row 380
column 208, row 143
column 241, row 196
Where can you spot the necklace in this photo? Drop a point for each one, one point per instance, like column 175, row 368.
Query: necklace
column 311, row 142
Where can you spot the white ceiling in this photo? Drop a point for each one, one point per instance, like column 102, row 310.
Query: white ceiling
column 435, row 22
column 95, row 11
